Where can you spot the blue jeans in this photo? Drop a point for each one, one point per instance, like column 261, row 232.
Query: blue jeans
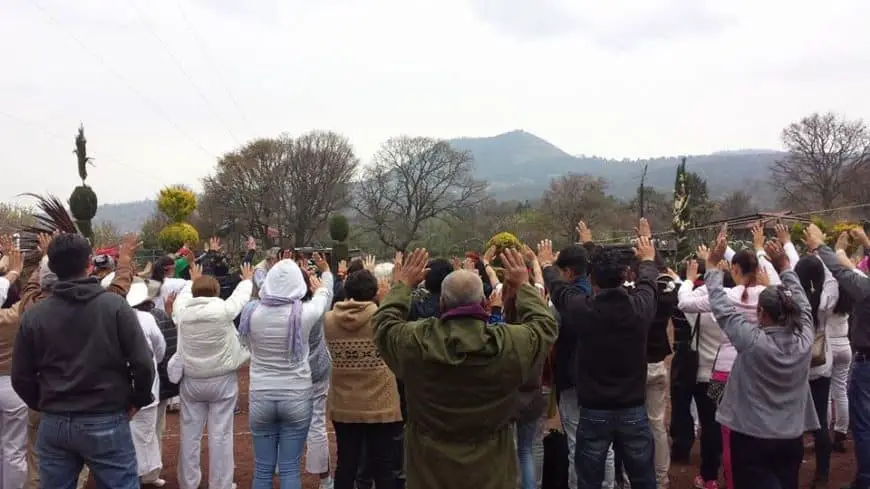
column 526, row 433
column 859, row 416
column 629, row 432
column 279, row 429
column 65, row 442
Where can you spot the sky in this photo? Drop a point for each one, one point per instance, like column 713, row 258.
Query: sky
column 164, row 87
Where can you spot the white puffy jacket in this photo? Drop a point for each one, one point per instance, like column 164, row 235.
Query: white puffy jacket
column 208, row 342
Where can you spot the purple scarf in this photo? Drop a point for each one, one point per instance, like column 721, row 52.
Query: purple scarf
column 475, row 311
column 294, row 327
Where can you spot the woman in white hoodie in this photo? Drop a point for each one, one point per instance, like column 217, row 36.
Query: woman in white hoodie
column 210, row 351
column 143, row 425
column 277, row 330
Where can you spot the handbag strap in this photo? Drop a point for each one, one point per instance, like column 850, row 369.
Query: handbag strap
column 696, row 333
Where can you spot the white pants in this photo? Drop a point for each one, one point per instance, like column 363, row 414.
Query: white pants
column 13, row 437
column 143, row 427
column 841, row 353
column 208, row 401
column 656, row 404
column 317, row 449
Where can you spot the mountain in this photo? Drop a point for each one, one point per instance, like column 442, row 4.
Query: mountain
column 519, row 165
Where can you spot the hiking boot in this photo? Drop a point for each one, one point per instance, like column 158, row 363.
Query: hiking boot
column 839, row 443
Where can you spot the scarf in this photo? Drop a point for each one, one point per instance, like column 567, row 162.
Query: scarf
column 294, row 327
column 475, row 311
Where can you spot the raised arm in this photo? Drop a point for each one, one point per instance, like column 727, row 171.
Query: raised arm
column 691, row 300
column 739, row 331
column 237, row 300
column 392, row 332
column 791, row 282
column 856, row 285
column 536, row 332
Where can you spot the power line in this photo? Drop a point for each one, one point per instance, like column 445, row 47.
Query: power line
column 121, row 78
column 210, row 60
column 51, row 134
column 630, row 234
column 181, row 68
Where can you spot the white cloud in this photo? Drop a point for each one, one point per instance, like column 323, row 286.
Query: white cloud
column 629, row 78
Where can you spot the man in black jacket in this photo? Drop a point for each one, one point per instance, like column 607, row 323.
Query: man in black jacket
column 82, row 360
column 610, row 361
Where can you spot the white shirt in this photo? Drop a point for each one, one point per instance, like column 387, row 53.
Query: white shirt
column 156, row 343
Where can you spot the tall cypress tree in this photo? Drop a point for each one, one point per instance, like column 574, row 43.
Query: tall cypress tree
column 682, row 212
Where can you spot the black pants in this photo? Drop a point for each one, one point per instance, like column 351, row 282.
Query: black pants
column 765, row 464
column 820, row 389
column 682, row 426
column 711, row 433
column 378, row 441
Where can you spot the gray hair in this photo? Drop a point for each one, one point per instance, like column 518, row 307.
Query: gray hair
column 461, row 288
column 384, row 270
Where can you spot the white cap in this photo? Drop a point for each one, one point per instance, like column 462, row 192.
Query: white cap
column 138, row 293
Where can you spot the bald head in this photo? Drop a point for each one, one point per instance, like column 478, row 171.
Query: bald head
column 461, row 288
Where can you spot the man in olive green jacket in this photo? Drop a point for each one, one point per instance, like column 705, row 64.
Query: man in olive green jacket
column 461, row 375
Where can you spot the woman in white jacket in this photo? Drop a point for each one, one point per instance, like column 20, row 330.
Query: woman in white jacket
column 210, row 351
column 143, row 425
column 277, row 329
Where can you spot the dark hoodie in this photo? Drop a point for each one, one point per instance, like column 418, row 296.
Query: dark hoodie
column 82, row 351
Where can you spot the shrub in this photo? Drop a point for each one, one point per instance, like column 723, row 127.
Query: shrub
column 339, row 228
column 176, row 235
column 502, row 241
column 177, row 202
column 83, row 203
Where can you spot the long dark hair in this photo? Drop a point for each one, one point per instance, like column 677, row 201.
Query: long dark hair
column 845, row 303
column 747, row 261
column 811, row 273
column 158, row 273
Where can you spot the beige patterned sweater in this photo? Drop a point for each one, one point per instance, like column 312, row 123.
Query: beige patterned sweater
column 363, row 389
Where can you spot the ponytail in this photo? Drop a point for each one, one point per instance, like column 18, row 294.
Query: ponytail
column 811, row 273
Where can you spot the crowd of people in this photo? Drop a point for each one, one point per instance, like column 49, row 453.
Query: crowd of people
column 436, row 373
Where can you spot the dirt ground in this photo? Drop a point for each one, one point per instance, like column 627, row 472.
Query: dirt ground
column 842, row 465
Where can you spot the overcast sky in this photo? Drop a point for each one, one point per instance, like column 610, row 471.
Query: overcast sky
column 165, row 86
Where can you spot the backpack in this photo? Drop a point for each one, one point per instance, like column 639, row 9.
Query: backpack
column 555, row 470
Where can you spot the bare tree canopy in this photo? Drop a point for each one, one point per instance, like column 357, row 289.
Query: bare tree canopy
column 824, row 153
column 574, row 197
column 281, row 183
column 410, row 181
column 737, row 203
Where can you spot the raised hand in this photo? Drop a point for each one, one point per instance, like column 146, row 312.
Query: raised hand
column 43, row 240
column 776, row 254
column 246, row 271
column 717, row 253
column 214, row 243
column 692, row 270
column 860, row 236
column 643, row 229
column 782, row 233
column 129, row 244
column 842, row 241
column 468, row 264
column 758, row 235
column 644, row 248
column 196, row 271
column 414, row 269
column 584, row 234
column 252, row 243
column 723, row 233
column 813, row 237
column 383, row 289
column 314, row 283
column 320, row 262
column 545, row 253
column 703, row 252
column 369, row 262
column 397, row 266
column 342, row 268
column 489, row 255
column 515, row 272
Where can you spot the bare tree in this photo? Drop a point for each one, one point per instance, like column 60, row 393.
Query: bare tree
column 413, row 180
column 737, row 203
column 320, row 168
column 14, row 217
column 824, row 153
column 106, row 235
column 574, row 197
column 247, row 183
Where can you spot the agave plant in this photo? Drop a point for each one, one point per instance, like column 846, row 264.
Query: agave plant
column 51, row 217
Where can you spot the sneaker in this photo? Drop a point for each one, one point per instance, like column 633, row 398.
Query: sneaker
column 700, row 483
column 327, row 483
column 155, row 483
